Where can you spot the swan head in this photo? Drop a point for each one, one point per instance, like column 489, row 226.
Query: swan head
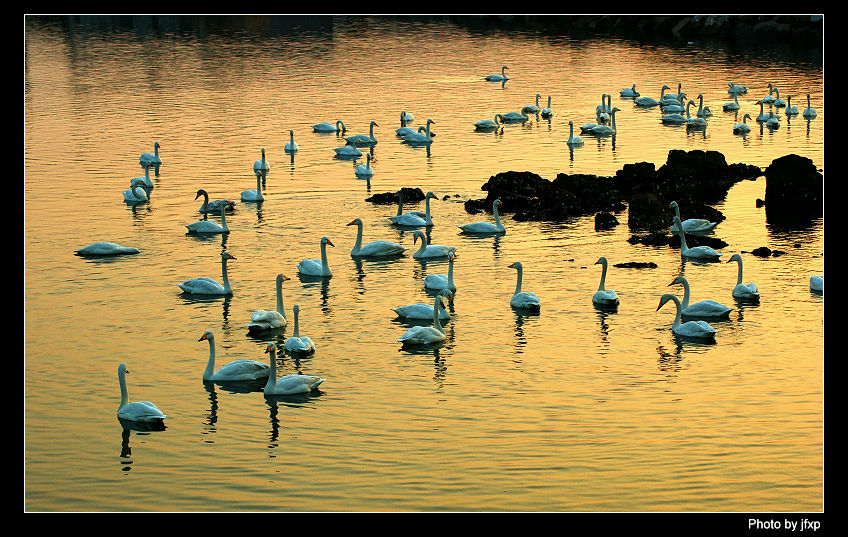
column 355, row 222
column 673, row 205
column 448, row 294
column 517, row 265
column 665, row 298
column 417, row 233
column 430, row 195
column 281, row 278
column 227, row 255
column 296, row 308
column 735, row 257
column 601, row 261
column 122, row 369
column 678, row 280
column 263, row 150
column 269, row 348
column 156, row 144
column 207, row 335
column 497, row 202
column 374, row 123
column 201, row 192
column 325, row 240
column 430, row 121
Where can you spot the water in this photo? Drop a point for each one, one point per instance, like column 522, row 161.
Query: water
column 573, row 409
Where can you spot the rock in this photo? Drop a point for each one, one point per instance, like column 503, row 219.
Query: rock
column 647, row 212
column 410, row 195
column 794, row 191
column 605, row 221
column 636, row 264
column 651, row 239
column 762, row 251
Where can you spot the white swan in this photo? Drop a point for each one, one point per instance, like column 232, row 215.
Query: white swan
column 374, row 248
column 697, row 329
column 736, row 88
column 288, row 384
column 364, row 169
column 809, row 112
column 208, row 286
column 522, row 299
column 572, row 139
column 364, row 139
column 694, row 121
column 212, row 206
column 291, row 146
column 742, row 128
column 261, row 164
column 405, row 116
column 500, row 77
column 297, row 343
column 329, row 127
column 233, row 371
column 441, row 281
column 419, row 137
column 208, row 226
column 748, row 291
column 698, row 252
column 546, row 111
column 730, row 106
column 317, row 267
column 704, row 308
column 605, row 130
column 514, row 117
column 270, row 319
column 703, row 111
column 151, row 158
column 691, row 225
column 430, row 250
column 649, row 101
column 413, row 218
column 762, row 115
column 486, row 227
column 791, row 109
column 423, row 335
column 532, row 108
column 773, row 122
column 603, row 106
column 603, row 111
column 136, row 193
column 425, row 311
column 770, row 97
column 484, row 124
column 106, row 248
column 349, row 150
column 141, row 411
column 603, row 296
column 675, row 119
column 145, row 179
column 254, row 195
column 778, row 102
column 629, row 92
column 817, row 284
column 674, row 106
column 671, row 97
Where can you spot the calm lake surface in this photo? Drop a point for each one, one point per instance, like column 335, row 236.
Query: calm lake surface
column 570, row 409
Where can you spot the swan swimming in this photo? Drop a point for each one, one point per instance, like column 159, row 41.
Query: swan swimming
column 151, row 158
column 532, row 108
column 349, row 150
column 500, row 77
column 291, row 146
column 329, row 127
column 704, row 308
column 297, row 344
column 105, row 248
column 809, row 112
column 770, row 97
column 745, row 291
column 546, row 111
column 261, row 164
column 430, row 250
column 406, row 117
column 364, row 139
column 137, row 411
column 425, row 311
column 441, row 281
column 604, row 297
column 208, row 286
column 364, row 169
column 629, row 92
column 773, row 122
column 419, row 137
column 514, row 117
column 742, row 128
column 731, row 105
column 208, row 226
column 424, row 335
column 233, row 371
column 762, row 116
column 317, row 267
column 694, row 121
column 374, row 248
column 413, row 218
column 696, row 329
column 605, row 130
column 572, row 139
column 287, row 384
column 791, row 109
column 691, row 225
column 213, row 206
column 484, row 124
column 817, row 284
column 136, row 193
column 254, row 195
column 486, row 227
column 146, row 180
column 735, row 88
column 270, row 319
column 704, row 253
column 648, row 101
column 778, row 102
column 522, row 299
column 703, row 111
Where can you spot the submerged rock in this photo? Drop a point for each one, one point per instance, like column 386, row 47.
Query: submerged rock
column 794, row 191
column 410, row 195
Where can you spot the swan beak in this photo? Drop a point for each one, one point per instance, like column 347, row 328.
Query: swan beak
column 286, row 278
column 672, row 283
column 351, row 223
column 512, row 265
column 658, row 307
column 267, row 349
column 202, row 337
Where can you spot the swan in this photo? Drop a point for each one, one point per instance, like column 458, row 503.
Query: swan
column 208, row 226
column 136, row 192
column 791, row 109
column 254, row 195
column 601, row 108
column 287, row 384
column 742, row 127
column 440, row 281
column 743, row 290
column 236, row 370
column 365, row 169
column 762, row 116
column 675, row 106
column 349, row 150
column 675, row 119
column 604, row 297
column 731, row 106
column 213, row 206
column 572, row 139
column 291, row 146
column 261, row 164
column 146, row 180
column 817, row 284
column 703, row 111
column 151, row 158
column 694, row 121
column 488, row 123
column 770, row 97
column 413, row 218
column 405, row 117
column 329, row 127
column 143, row 411
column 423, row 335
column 317, row 267
column 420, row 137
column 486, row 227
column 500, row 77
column 698, row 329
column 297, row 343
column 208, row 286
column 629, row 92
column 674, row 96
column 270, row 319
column 698, row 252
column 704, row 308
column 648, row 101
column 547, row 112
column 375, row 248
column 603, row 130
column 736, row 89
column 778, row 102
column 425, row 311
column 105, row 248
column 522, row 299
column 603, row 111
column 514, row 117
column 809, row 112
column 532, row 108
column 773, row 122
column 691, row 225
column 430, row 250
column 364, row 139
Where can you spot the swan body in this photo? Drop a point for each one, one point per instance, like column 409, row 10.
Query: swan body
column 736, row 88
column 532, row 108
column 694, row 121
column 270, row 319
column 441, row 281
column 317, row 267
column 602, row 111
column 348, row 150
column 105, row 248
column 671, row 97
column 488, row 123
column 329, row 127
column 151, row 158
column 773, row 122
column 136, row 192
column 809, row 112
column 291, row 145
column 649, row 101
column 486, row 227
column 522, row 299
column 413, row 218
column 603, row 130
column 730, row 106
column 500, row 77
column 703, row 111
column 213, row 206
column 364, row 169
column 364, row 139
column 514, row 117
column 208, row 226
column 254, row 195
column 691, row 225
column 741, row 128
column 546, row 111
column 424, row 311
column 704, row 253
column 603, row 296
column 261, row 164
column 208, row 286
column 778, row 102
column 746, row 291
column 696, row 329
column 704, row 308
column 138, row 411
column 675, row 119
column 297, row 343
column 375, row 248
column 287, row 384
column 817, row 284
column 147, row 182
column 419, row 137
column 791, row 109
column 430, row 250
column 629, row 92
column 673, row 105
column 770, row 97
column 406, row 116
column 424, row 335
column 572, row 139
column 233, row 371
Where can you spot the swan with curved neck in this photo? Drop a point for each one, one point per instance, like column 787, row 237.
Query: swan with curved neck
column 208, row 226
column 704, row 253
column 105, row 248
column 364, row 139
column 254, row 195
column 703, row 111
column 809, row 112
column 413, row 218
column 731, row 105
column 533, row 108
column 704, row 308
column 440, row 281
column 522, row 299
column 424, row 311
column 208, row 286
column 602, row 130
column 364, row 169
column 770, row 97
column 486, row 227
column 604, row 297
column 233, row 371
column 629, row 92
column 762, row 116
column 773, row 122
column 514, row 117
column 374, row 248
column 139, row 411
column 650, row 101
column 741, row 128
column 778, row 102
column 297, row 343
column 329, row 127
column 488, row 123
column 419, row 137
column 262, row 164
column 572, row 139
column 691, row 225
column 500, row 77
column 423, row 335
column 291, row 146
column 349, row 150
column 672, row 97
column 270, row 319
column 546, row 111
column 317, row 267
column 696, row 329
column 213, row 206
column 694, row 121
column 136, row 193
column 791, row 109
column 151, row 158
column 745, row 291
column 147, row 182
column 430, row 250
column 287, row 384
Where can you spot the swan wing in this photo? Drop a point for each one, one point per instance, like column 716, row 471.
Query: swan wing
column 202, row 286
column 242, row 370
column 524, row 300
column 143, row 411
column 295, row 383
column 381, row 248
column 707, row 308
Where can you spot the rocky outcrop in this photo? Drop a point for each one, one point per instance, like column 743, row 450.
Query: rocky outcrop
column 794, row 191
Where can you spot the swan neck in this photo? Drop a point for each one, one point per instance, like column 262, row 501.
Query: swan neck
column 683, row 246
column 358, row 244
column 427, row 208
column 450, row 272
column 423, row 242
column 281, row 308
column 685, row 294
column 324, row 265
column 210, row 365
column 123, row 382
column 676, row 322
column 224, row 276
column 437, row 324
column 497, row 216
column 296, row 331
column 739, row 272
column 272, row 376
column 603, row 276
column 518, row 280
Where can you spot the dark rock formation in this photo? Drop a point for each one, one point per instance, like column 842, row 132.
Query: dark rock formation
column 410, row 195
column 605, row 221
column 794, row 191
column 636, row 264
